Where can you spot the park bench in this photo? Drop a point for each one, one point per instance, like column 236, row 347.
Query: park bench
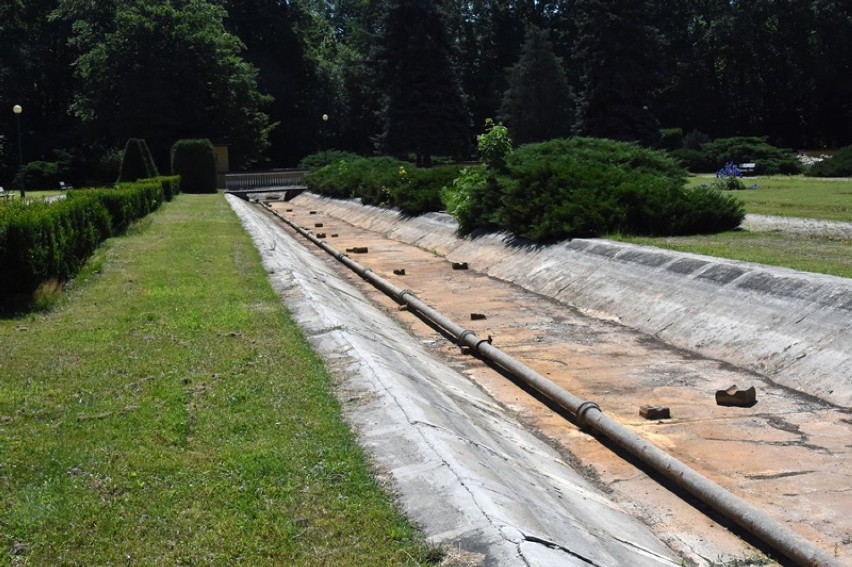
column 747, row 168
column 4, row 193
column 65, row 186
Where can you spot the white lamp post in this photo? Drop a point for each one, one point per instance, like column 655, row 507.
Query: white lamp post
column 323, row 133
column 18, row 110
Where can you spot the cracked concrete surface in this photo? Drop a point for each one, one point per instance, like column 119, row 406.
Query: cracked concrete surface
column 470, row 474
column 789, row 454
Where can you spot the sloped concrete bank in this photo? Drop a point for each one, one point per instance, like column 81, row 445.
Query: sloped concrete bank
column 474, row 478
column 794, row 328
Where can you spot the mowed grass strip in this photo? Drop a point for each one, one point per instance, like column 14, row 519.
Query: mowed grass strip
column 169, row 412
column 793, row 196
column 796, row 251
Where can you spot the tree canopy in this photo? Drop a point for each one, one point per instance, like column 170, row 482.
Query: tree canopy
column 424, row 110
column 168, row 70
column 537, row 105
column 400, row 75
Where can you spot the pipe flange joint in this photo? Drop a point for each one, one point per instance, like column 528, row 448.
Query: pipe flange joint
column 464, row 335
column 584, row 408
column 402, row 294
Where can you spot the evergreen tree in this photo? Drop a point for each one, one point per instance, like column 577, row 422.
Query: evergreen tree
column 167, row 70
column 538, row 104
column 619, row 50
column 424, row 109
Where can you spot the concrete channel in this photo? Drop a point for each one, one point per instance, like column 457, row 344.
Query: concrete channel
column 672, row 376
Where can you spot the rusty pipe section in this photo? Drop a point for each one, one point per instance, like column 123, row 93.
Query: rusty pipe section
column 769, row 533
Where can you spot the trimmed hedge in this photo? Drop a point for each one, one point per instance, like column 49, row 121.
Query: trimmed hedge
column 195, row 162
column 42, row 241
column 136, row 161
column 838, row 165
column 171, row 186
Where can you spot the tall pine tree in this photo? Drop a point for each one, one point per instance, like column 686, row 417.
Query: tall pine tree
column 538, row 104
column 619, row 50
column 424, row 109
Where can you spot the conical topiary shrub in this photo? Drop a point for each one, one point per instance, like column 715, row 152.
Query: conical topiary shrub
column 136, row 162
column 195, row 162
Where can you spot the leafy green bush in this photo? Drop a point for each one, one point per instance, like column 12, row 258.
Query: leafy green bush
column 494, row 145
column 695, row 139
column 41, row 175
column 695, row 161
column 472, row 199
column 672, row 138
column 384, row 182
column 323, row 158
column 838, row 165
column 419, row 190
column 589, row 187
column 195, row 162
column 769, row 160
column 136, row 162
column 370, row 179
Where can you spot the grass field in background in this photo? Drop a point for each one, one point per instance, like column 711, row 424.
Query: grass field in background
column 798, row 252
column 793, row 196
column 168, row 411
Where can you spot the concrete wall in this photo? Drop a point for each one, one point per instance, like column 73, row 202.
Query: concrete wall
column 793, row 327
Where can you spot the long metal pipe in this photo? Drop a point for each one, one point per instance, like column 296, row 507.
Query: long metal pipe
column 771, row 534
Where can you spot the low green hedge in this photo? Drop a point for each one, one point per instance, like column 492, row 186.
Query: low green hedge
column 586, row 187
column 838, row 165
column 383, row 182
column 544, row 192
column 42, row 241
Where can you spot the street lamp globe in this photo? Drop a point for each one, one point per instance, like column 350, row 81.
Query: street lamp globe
column 17, row 109
column 325, row 117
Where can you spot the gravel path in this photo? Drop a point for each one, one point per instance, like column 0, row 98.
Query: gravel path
column 797, row 225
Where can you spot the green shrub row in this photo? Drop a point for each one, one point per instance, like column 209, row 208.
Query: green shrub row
column 713, row 155
column 544, row 192
column 42, row 241
column 838, row 165
column 586, row 187
column 384, row 182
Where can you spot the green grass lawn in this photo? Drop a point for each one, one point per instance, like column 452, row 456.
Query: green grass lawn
column 794, row 196
column 799, row 252
column 168, row 411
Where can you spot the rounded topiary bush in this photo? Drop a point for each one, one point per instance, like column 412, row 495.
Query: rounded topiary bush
column 136, row 161
column 838, row 165
column 584, row 187
column 195, row 162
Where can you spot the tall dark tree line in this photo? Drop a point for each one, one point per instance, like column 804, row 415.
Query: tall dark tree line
column 92, row 73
